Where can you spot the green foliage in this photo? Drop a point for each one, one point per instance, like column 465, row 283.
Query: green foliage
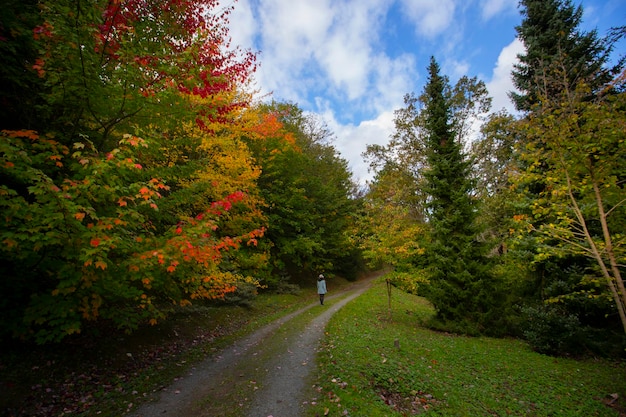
column 575, row 152
column 19, row 53
column 307, row 187
column 573, row 315
column 62, row 237
column 552, row 330
column 409, row 282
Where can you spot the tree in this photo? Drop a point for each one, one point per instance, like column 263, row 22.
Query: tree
column 106, row 64
column 134, row 100
column 460, row 285
column 559, row 59
column 307, row 187
column 391, row 232
column 581, row 158
column 554, row 44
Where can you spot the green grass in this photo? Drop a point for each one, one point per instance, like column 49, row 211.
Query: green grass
column 373, row 366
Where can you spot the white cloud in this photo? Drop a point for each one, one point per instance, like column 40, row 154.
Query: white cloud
column 501, row 82
column 352, row 140
column 392, row 79
column 430, row 17
column 246, row 29
column 290, row 31
column 455, row 69
column 491, row 8
column 345, row 58
column 329, row 57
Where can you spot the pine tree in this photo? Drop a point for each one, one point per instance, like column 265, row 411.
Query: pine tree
column 461, row 288
column 558, row 54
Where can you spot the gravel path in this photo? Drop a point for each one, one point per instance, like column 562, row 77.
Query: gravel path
column 264, row 373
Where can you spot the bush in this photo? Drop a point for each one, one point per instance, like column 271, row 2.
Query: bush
column 551, row 330
column 243, row 296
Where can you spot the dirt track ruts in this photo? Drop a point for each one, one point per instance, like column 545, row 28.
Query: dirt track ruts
column 266, row 371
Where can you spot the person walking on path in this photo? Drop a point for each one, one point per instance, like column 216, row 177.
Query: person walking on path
column 321, row 288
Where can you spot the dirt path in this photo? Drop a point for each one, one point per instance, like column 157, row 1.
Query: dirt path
column 261, row 375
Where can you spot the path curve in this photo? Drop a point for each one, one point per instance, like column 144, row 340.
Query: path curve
column 280, row 365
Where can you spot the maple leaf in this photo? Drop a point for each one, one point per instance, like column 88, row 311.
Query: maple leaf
column 79, row 215
column 95, row 242
column 101, row 264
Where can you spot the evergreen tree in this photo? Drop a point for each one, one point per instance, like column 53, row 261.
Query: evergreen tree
column 558, row 54
column 461, row 288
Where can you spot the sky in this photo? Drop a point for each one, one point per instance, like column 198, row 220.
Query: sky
column 352, row 61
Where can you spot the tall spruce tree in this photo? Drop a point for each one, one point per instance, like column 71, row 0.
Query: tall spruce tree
column 558, row 55
column 461, row 289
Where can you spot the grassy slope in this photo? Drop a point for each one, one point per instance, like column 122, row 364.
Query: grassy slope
column 373, row 366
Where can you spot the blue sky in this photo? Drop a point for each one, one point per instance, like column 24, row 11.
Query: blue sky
column 352, row 61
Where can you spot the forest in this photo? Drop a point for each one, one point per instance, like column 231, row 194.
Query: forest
column 141, row 173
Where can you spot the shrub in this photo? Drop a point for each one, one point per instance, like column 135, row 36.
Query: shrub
column 551, row 330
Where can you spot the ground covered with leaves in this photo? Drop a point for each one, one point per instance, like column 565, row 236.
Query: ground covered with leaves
column 378, row 362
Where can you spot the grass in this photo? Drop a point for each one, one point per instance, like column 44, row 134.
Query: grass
column 371, row 365
column 108, row 375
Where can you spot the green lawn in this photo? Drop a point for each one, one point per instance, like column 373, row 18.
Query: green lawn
column 371, row 365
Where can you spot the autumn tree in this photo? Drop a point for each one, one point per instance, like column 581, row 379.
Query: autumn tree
column 134, row 113
column 581, row 211
column 558, row 59
column 390, row 231
column 496, row 163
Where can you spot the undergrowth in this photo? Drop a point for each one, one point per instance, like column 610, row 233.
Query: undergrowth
column 374, row 363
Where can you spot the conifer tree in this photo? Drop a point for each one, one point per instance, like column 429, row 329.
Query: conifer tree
column 461, row 288
column 556, row 48
column 556, row 51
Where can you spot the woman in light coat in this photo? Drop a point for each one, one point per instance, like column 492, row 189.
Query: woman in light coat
column 321, row 288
